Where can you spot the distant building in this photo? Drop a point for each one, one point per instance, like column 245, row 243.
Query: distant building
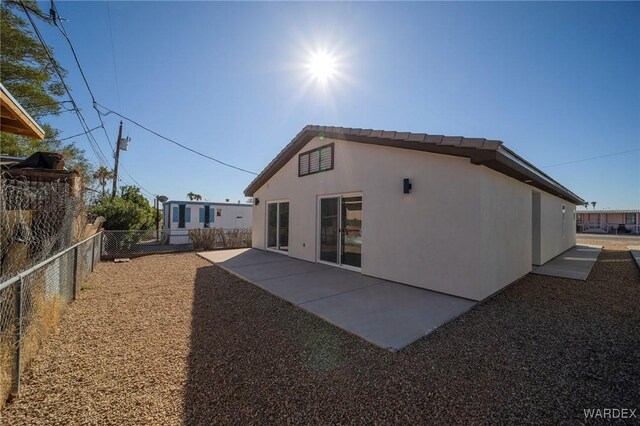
column 608, row 221
column 180, row 216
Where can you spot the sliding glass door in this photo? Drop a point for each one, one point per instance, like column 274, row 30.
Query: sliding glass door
column 278, row 226
column 340, row 230
column 351, row 236
column 329, row 229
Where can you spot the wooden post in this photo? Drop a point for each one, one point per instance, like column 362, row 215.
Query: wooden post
column 117, row 159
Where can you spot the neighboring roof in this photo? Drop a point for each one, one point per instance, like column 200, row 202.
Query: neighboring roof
column 206, row 202
column 609, row 211
column 9, row 159
column 40, row 160
column 489, row 153
column 14, row 119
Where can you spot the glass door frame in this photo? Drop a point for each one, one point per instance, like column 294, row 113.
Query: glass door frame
column 340, row 196
column 266, row 228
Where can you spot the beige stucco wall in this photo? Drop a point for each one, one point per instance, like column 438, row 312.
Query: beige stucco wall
column 464, row 229
column 556, row 236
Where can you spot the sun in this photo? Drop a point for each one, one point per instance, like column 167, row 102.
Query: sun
column 322, row 66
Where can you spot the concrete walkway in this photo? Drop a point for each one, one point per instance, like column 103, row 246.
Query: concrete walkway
column 575, row 263
column 635, row 253
column 387, row 314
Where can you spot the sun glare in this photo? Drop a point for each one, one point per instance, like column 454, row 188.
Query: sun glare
column 322, row 66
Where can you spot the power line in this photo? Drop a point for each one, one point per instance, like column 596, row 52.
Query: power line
column 86, row 82
column 101, row 158
column 591, row 158
column 135, row 181
column 92, row 142
column 56, row 19
column 110, row 111
column 79, row 134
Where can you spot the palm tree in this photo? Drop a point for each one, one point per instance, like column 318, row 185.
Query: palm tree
column 103, row 175
column 593, row 203
column 193, row 196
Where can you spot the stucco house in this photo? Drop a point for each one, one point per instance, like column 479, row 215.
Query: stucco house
column 462, row 216
column 180, row 216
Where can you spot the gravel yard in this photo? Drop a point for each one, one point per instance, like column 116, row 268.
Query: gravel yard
column 170, row 339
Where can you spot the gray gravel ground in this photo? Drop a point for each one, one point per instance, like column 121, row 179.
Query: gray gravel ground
column 171, row 339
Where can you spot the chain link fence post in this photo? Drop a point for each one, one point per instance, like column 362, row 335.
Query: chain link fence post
column 93, row 252
column 15, row 384
column 75, row 273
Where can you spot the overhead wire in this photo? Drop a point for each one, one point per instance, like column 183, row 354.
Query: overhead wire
column 110, row 111
column 56, row 19
column 79, row 134
column 591, row 158
column 92, row 142
column 58, row 24
column 136, row 182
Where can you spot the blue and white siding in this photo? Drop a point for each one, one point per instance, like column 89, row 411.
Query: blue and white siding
column 221, row 215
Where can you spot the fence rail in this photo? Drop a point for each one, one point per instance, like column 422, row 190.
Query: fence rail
column 32, row 302
column 607, row 227
column 128, row 244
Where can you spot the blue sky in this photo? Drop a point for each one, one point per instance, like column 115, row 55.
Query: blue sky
column 556, row 82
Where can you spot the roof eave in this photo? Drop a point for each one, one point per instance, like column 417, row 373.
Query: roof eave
column 492, row 154
column 20, row 122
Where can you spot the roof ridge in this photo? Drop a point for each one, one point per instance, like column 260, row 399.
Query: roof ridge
column 491, row 153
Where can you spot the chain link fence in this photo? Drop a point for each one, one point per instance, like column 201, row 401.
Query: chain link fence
column 128, row 244
column 38, row 218
column 32, row 302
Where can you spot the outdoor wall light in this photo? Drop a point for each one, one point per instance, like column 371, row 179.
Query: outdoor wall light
column 256, row 201
column 407, row 185
column 528, row 181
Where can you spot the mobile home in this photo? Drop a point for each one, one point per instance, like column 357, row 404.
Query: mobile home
column 180, row 216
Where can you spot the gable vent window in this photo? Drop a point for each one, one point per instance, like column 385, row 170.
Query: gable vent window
column 316, row 161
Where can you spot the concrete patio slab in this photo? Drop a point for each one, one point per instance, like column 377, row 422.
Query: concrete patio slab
column 635, row 253
column 241, row 257
column 575, row 263
column 387, row 314
column 317, row 284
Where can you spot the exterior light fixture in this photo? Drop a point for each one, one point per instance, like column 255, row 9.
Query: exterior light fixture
column 256, row 201
column 407, row 186
column 528, row 181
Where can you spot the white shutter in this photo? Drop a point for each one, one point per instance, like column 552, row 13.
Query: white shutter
column 303, row 165
column 325, row 158
column 314, row 162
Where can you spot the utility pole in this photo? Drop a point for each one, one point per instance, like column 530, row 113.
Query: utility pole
column 115, row 167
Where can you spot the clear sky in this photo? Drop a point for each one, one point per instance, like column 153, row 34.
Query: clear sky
column 556, row 82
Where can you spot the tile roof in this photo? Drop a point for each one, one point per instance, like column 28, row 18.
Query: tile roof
column 609, row 211
column 488, row 152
